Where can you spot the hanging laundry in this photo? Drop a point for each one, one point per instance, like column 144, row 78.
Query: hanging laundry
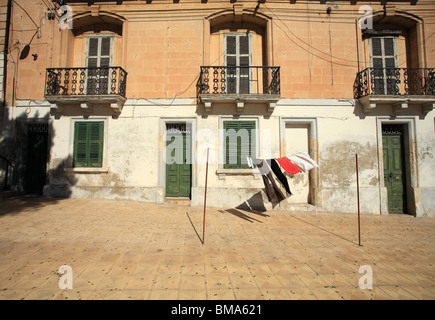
column 272, row 190
column 278, row 173
column 302, row 164
column 249, row 161
column 288, row 166
column 305, row 156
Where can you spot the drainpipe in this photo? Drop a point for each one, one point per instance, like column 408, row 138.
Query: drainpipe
column 5, row 61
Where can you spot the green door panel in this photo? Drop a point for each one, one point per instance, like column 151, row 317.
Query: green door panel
column 178, row 163
column 394, row 170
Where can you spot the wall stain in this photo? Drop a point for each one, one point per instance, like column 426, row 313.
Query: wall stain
column 337, row 162
column 299, row 179
column 426, row 150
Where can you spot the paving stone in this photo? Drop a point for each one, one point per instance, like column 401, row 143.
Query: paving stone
column 132, row 250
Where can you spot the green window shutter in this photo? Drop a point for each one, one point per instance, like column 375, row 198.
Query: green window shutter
column 247, row 143
column 80, row 144
column 231, row 144
column 239, row 143
column 88, row 144
column 96, row 130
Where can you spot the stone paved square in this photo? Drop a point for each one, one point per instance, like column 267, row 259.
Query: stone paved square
column 133, row 250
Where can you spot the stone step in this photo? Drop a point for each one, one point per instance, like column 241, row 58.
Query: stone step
column 177, row 201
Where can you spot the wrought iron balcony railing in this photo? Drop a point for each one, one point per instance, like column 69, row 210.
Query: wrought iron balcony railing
column 239, row 80
column 394, row 81
column 73, row 82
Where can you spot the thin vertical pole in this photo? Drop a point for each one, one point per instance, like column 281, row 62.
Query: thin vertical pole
column 357, row 194
column 205, row 199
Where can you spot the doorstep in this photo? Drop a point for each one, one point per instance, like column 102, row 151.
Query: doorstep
column 177, row 201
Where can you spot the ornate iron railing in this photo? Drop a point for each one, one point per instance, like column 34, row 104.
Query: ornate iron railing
column 239, row 80
column 394, row 81
column 85, row 81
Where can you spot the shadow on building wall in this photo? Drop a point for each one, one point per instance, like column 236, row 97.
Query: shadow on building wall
column 25, row 157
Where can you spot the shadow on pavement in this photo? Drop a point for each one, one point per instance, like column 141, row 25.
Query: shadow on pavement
column 21, row 203
column 194, row 229
column 325, row 230
column 242, row 215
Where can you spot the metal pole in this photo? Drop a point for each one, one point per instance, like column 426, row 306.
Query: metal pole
column 205, row 199
column 357, row 193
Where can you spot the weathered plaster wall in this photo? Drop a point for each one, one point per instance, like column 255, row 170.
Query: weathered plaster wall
column 426, row 163
column 134, row 168
column 162, row 48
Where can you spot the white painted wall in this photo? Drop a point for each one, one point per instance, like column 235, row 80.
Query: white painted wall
column 134, row 167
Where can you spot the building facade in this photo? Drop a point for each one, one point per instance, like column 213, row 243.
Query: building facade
column 136, row 99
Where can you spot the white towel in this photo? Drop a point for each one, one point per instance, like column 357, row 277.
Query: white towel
column 305, row 156
column 305, row 166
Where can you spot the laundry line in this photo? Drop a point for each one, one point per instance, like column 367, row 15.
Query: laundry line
column 293, row 164
column 297, row 163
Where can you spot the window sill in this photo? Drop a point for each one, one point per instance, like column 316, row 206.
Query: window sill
column 87, row 170
column 221, row 172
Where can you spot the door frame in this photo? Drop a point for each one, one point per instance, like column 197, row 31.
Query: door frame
column 413, row 194
column 190, row 124
column 314, row 194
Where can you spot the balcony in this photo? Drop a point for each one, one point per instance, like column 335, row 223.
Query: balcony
column 86, row 87
column 399, row 87
column 239, row 84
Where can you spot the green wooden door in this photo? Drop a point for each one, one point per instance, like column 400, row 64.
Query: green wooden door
column 178, row 164
column 394, row 170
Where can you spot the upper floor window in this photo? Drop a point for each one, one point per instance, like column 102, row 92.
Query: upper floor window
column 238, row 56
column 98, row 61
column 383, row 60
column 384, row 52
column 99, row 51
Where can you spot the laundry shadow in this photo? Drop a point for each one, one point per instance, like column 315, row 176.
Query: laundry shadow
column 243, row 215
column 253, row 205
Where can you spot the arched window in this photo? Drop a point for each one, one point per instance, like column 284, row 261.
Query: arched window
column 395, row 53
column 238, row 55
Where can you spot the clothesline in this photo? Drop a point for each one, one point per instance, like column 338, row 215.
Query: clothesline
column 222, row 148
column 301, row 162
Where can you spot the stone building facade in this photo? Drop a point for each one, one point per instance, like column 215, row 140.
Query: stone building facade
column 125, row 99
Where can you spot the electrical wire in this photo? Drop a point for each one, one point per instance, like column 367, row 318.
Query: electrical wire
column 26, row 13
column 310, row 46
column 194, row 80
